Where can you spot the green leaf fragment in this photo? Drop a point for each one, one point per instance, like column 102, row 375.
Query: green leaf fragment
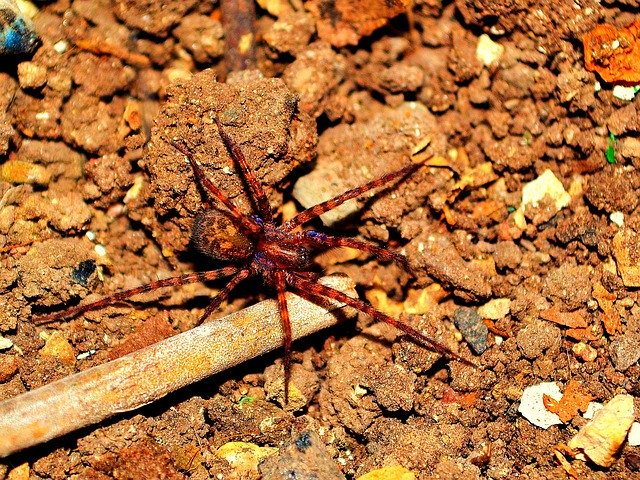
column 247, row 399
column 610, row 152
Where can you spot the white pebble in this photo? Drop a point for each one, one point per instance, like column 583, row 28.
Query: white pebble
column 617, row 218
column 85, row 355
column 5, row 343
column 625, row 93
column 61, row 47
column 592, row 408
column 495, row 309
column 532, row 406
column 536, row 190
column 488, row 51
column 633, row 437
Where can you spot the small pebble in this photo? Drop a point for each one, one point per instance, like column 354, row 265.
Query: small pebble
column 488, row 51
column 56, row 345
column 473, row 329
column 5, row 343
column 244, row 457
column 532, row 405
column 585, row 352
column 495, row 309
column 304, row 457
column 21, row 472
column 31, row 75
column 275, row 7
column 61, row 47
column 547, row 184
column 100, row 250
column 17, row 171
column 17, row 32
column 625, row 349
column 592, row 408
column 83, row 271
column 625, row 93
column 634, row 435
column 632, row 462
column 318, row 186
column 625, row 243
column 601, row 438
column 8, row 366
column 617, row 218
column 537, row 337
column 134, row 191
column 395, row 472
column 629, row 148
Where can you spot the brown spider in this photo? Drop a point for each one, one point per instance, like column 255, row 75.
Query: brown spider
column 282, row 255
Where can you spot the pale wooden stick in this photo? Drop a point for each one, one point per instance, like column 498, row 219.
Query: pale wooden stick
column 146, row 375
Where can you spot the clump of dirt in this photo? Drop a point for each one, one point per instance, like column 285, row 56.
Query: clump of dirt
column 262, row 118
column 96, row 196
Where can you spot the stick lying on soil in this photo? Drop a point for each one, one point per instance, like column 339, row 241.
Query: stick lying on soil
column 146, row 375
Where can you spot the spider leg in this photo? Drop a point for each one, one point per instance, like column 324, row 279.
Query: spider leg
column 259, row 197
column 119, row 296
column 247, row 222
column 319, row 239
column 286, row 328
column 309, row 290
column 317, row 210
column 224, row 293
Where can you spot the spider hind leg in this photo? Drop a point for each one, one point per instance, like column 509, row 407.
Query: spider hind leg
column 311, row 291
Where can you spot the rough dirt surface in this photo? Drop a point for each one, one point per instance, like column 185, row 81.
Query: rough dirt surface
column 94, row 198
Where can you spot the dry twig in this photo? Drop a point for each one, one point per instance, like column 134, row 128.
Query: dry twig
column 146, row 375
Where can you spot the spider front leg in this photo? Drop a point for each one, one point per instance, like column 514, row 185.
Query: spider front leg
column 322, row 240
column 259, row 197
column 317, row 210
column 176, row 281
column 247, row 222
column 311, row 291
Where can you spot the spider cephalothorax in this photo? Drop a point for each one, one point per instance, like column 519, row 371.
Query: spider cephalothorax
column 255, row 245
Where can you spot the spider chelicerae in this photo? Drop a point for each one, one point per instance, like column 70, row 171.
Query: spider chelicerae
column 281, row 253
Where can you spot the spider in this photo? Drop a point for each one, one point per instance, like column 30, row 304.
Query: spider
column 282, row 254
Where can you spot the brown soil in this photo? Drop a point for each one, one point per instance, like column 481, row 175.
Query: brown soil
column 94, row 200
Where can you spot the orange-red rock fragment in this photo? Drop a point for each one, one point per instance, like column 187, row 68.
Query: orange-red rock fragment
column 152, row 331
column 344, row 22
column 610, row 316
column 573, row 400
column 614, row 53
column 575, row 319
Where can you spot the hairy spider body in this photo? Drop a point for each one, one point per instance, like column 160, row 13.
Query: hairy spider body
column 280, row 254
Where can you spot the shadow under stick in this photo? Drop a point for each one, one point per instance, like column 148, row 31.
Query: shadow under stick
column 148, row 374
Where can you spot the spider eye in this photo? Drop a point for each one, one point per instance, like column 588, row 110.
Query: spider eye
column 216, row 235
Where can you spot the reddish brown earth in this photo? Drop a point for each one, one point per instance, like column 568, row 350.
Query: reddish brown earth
column 96, row 171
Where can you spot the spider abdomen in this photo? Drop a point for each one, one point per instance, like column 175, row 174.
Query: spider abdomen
column 217, row 236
